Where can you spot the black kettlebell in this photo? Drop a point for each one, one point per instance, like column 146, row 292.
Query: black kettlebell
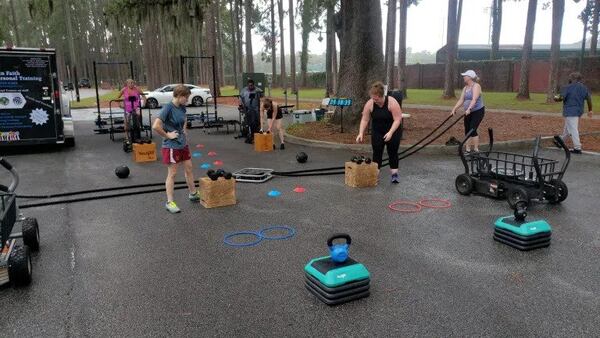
column 122, row 171
column 359, row 160
column 220, row 172
column 354, row 159
column 301, row 157
column 228, row 176
column 212, row 175
column 368, row 160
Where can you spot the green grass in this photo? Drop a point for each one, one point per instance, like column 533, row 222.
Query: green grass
column 90, row 102
column 494, row 100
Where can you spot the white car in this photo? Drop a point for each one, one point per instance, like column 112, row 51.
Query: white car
column 164, row 95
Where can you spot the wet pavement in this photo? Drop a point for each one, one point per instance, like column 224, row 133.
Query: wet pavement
column 126, row 267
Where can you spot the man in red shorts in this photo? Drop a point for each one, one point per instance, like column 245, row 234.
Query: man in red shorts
column 171, row 125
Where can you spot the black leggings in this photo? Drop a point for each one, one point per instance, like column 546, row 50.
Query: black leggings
column 392, row 148
column 473, row 120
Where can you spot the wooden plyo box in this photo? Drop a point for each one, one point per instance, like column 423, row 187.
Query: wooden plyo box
column 144, row 152
column 361, row 175
column 263, row 142
column 219, row 193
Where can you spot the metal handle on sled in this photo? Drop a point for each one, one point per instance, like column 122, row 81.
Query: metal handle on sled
column 567, row 155
column 13, row 172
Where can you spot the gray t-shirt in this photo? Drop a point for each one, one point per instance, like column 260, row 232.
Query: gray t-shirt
column 251, row 99
column 173, row 119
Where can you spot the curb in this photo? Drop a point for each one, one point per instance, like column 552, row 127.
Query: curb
column 435, row 149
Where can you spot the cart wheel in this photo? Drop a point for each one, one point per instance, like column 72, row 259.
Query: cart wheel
column 31, row 233
column 19, row 266
column 561, row 191
column 516, row 196
column 464, row 184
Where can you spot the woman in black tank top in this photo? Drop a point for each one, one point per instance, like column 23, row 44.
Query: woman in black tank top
column 386, row 115
column 268, row 108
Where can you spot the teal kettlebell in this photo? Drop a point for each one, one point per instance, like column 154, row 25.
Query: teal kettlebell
column 339, row 252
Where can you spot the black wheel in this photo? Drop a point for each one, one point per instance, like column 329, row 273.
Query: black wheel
column 19, row 266
column 31, row 233
column 561, row 191
column 516, row 196
column 464, row 184
column 70, row 142
column 197, row 101
column 152, row 103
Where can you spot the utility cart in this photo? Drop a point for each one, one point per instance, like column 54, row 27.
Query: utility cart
column 15, row 247
column 518, row 178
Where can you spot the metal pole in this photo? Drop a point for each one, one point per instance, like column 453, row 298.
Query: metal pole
column 131, row 69
column 97, row 95
column 76, row 84
column 181, row 67
column 342, row 118
column 214, row 85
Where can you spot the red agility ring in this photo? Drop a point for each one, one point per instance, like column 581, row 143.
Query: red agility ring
column 415, row 206
column 427, row 203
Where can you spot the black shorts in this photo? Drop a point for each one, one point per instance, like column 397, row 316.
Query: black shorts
column 473, row 120
column 279, row 115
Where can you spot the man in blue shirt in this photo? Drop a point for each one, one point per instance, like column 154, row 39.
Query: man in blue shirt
column 573, row 95
column 250, row 99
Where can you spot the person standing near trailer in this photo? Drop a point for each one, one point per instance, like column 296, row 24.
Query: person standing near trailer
column 573, row 96
column 386, row 114
column 132, row 101
column 274, row 116
column 171, row 125
column 472, row 103
column 250, row 100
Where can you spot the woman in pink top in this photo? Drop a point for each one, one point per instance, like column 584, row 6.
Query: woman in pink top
column 132, row 102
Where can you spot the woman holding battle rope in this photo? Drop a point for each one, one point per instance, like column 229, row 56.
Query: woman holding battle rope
column 472, row 103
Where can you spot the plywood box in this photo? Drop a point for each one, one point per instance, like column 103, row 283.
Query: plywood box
column 361, row 175
column 263, row 142
column 219, row 193
column 144, row 152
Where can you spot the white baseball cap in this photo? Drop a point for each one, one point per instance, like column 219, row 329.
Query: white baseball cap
column 470, row 73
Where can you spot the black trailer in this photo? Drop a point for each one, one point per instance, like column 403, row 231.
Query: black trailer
column 518, row 178
column 32, row 107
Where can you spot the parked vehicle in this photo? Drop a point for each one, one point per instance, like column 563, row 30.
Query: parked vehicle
column 163, row 95
column 85, row 83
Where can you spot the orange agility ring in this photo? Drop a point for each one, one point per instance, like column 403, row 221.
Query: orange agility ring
column 435, row 203
column 411, row 206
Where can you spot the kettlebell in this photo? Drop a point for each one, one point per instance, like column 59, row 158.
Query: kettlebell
column 227, row 175
column 368, row 160
column 354, row 159
column 212, row 175
column 220, row 172
column 339, row 252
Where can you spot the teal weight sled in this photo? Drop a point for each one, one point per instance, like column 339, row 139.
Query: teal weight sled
column 520, row 234
column 333, row 281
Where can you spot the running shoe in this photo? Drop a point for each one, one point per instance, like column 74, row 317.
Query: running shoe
column 395, row 179
column 172, row 207
column 195, row 197
column 575, row 151
column 282, row 146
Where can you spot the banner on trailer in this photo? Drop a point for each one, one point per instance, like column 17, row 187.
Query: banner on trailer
column 26, row 98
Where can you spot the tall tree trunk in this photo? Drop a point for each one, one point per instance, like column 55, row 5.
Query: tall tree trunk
column 330, row 35
column 402, row 47
column 292, row 48
column 305, row 24
column 558, row 11
column 273, row 47
column 238, row 7
column 248, row 19
column 361, row 58
column 211, row 35
column 458, row 21
column 390, row 43
column 219, row 60
column 281, row 38
column 451, row 47
column 334, row 63
column 233, row 13
column 15, row 23
column 526, row 55
column 595, row 18
column 496, row 28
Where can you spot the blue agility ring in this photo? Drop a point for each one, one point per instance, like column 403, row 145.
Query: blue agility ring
column 291, row 232
column 228, row 237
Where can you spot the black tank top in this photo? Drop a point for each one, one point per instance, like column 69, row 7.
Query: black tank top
column 382, row 117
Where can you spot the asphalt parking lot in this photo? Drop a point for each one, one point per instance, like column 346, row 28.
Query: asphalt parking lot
column 126, row 267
